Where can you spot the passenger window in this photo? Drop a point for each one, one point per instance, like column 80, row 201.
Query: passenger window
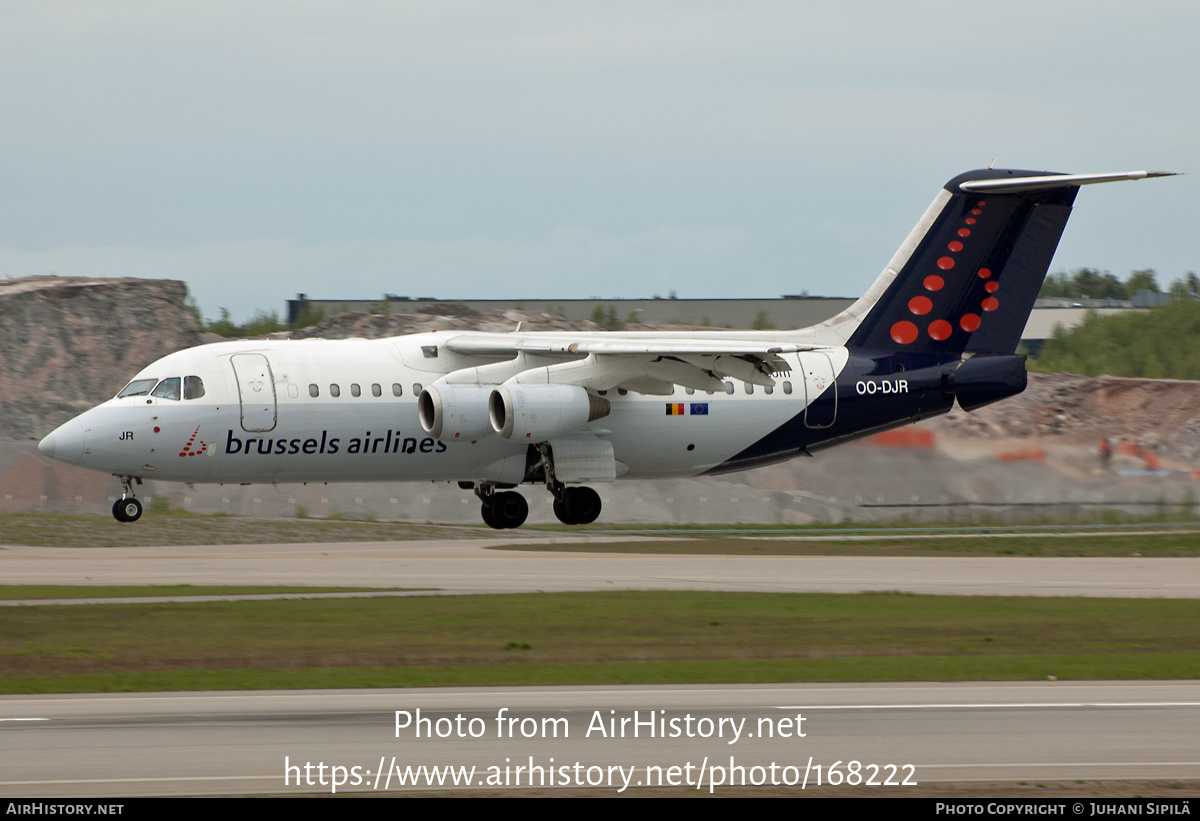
column 314, row 391
column 334, row 390
column 416, row 388
column 138, row 387
column 728, row 387
column 787, row 388
column 193, row 387
column 397, row 389
column 376, row 390
column 768, row 390
column 355, row 390
column 749, row 387
column 168, row 389
column 689, row 391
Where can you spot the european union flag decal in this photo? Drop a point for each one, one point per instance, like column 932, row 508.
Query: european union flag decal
column 699, row 409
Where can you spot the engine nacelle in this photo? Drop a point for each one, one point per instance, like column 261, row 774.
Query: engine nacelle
column 537, row 413
column 455, row 413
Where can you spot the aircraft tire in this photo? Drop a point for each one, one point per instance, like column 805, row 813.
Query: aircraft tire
column 127, row 510
column 581, row 504
column 560, row 510
column 509, row 509
column 488, row 519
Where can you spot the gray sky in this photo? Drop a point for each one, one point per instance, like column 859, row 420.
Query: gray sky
column 568, row 149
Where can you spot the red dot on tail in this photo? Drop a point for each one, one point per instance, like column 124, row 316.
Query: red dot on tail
column 964, row 232
column 992, row 287
column 955, row 246
column 940, row 329
column 976, row 211
column 970, row 220
column 969, row 322
column 933, row 282
column 183, row 454
column 985, row 272
column 945, row 263
column 920, row 305
column 991, row 304
column 981, row 202
column 904, row 332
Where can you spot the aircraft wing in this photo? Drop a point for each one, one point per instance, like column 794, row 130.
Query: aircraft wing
column 748, row 359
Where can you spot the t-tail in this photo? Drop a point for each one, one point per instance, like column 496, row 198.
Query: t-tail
column 965, row 280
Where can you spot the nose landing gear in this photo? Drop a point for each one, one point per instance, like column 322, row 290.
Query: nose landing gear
column 127, row 508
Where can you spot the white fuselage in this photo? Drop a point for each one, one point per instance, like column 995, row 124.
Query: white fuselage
column 346, row 410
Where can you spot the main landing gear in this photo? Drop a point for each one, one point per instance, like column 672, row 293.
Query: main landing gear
column 576, row 505
column 502, row 510
column 508, row 509
column 127, row 508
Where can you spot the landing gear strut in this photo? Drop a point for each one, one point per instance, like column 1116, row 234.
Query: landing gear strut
column 127, row 508
column 501, row 511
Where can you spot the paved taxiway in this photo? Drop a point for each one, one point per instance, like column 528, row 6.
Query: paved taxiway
column 237, row 743
column 463, row 567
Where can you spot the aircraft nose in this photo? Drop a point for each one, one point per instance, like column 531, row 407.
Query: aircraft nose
column 65, row 443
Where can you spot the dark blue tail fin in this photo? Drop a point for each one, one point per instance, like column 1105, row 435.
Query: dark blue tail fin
column 969, row 281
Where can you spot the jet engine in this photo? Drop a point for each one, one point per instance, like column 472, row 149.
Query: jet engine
column 455, row 413
column 537, row 413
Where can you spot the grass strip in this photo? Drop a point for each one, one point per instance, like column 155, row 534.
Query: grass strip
column 1074, row 544
column 174, row 528
column 593, row 638
column 28, row 592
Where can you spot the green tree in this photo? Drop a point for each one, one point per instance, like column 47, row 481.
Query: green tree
column 1141, row 281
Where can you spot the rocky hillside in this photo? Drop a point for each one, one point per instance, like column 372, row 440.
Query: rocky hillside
column 69, row 343
column 1161, row 414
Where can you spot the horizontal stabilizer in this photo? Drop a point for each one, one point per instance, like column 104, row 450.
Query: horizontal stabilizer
column 1049, row 182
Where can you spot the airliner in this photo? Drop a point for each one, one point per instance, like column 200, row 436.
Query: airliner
column 494, row 411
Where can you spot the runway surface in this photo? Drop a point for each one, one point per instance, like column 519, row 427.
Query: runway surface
column 463, row 567
column 291, row 742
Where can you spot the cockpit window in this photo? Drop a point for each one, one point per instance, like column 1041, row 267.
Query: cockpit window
column 193, row 387
column 138, row 387
column 167, row 389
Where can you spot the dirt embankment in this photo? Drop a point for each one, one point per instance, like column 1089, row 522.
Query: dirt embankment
column 1163, row 415
column 69, row 343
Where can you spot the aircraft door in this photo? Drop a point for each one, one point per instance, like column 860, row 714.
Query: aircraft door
column 820, row 390
column 256, row 391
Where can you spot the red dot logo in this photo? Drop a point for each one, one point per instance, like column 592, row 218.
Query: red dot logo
column 991, row 304
column 904, row 332
column 985, row 272
column 976, row 211
column 981, row 203
column 940, row 329
column 945, row 263
column 970, row 220
column 992, row 287
column 955, row 246
column 969, row 322
column 920, row 305
column 964, row 232
column 933, row 282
